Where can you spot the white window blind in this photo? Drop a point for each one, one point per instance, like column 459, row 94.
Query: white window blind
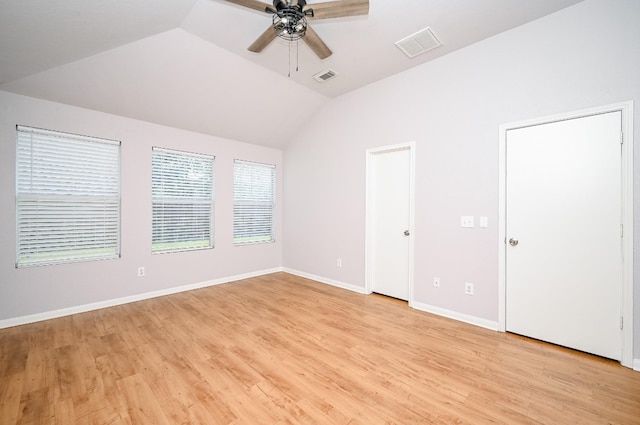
column 182, row 197
column 67, row 197
column 253, row 202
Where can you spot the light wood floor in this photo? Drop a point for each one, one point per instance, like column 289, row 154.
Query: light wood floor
column 284, row 350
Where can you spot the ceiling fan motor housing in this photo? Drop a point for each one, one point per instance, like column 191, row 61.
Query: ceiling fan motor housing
column 289, row 20
column 287, row 4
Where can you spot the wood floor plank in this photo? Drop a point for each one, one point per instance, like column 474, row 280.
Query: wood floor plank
column 64, row 413
column 10, row 392
column 143, row 406
column 279, row 349
column 36, row 408
column 13, row 354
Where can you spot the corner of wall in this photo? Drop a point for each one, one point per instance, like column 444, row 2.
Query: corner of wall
column 332, row 282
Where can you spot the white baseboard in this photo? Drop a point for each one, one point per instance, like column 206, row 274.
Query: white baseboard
column 488, row 324
column 336, row 283
column 473, row 320
column 636, row 365
column 23, row 320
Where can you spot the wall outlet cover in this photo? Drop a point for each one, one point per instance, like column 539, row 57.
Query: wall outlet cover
column 466, row 221
column 468, row 288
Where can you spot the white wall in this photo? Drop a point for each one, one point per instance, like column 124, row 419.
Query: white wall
column 584, row 56
column 35, row 290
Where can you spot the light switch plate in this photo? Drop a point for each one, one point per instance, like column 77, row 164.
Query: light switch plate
column 466, row 221
column 484, row 221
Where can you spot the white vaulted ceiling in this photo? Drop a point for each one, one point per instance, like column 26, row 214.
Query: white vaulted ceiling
column 184, row 63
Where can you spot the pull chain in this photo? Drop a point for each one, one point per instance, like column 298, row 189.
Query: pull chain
column 297, row 56
column 289, row 60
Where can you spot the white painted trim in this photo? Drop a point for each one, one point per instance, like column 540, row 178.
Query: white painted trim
column 332, row 282
column 636, row 365
column 627, row 242
column 412, row 227
column 368, row 286
column 626, row 108
column 23, row 320
column 472, row 320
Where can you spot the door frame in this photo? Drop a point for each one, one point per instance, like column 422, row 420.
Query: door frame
column 626, row 109
column 369, row 216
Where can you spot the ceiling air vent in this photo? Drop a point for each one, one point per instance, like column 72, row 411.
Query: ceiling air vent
column 326, row 75
column 418, row 43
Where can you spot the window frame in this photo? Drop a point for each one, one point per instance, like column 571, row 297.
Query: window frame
column 52, row 191
column 180, row 202
column 254, row 239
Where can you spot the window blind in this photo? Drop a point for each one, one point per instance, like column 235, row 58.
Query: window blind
column 253, row 202
column 67, row 197
column 183, row 202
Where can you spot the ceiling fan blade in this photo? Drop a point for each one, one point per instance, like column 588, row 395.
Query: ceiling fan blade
column 254, row 4
column 337, row 9
column 316, row 44
column 263, row 41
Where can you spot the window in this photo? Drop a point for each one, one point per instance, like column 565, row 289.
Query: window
column 182, row 197
column 253, row 202
column 67, row 197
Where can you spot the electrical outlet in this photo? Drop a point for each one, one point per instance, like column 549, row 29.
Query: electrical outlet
column 468, row 288
column 140, row 271
column 339, row 262
column 436, row 282
column 466, row 221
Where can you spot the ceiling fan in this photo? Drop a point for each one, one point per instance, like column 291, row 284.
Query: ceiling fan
column 289, row 20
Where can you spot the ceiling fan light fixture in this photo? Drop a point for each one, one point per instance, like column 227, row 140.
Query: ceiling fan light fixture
column 290, row 24
column 289, row 21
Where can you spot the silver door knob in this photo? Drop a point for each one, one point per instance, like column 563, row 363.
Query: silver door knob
column 513, row 242
column 406, row 233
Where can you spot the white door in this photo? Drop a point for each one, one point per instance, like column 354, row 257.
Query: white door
column 390, row 219
column 563, row 233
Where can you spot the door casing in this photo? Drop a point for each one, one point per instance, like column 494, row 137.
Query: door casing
column 369, row 239
column 626, row 109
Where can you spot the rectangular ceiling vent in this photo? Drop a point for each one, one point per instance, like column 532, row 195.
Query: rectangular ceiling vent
column 326, row 75
column 418, row 43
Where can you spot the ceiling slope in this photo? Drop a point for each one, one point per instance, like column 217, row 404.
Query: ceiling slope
column 180, row 80
column 185, row 63
column 363, row 46
column 36, row 35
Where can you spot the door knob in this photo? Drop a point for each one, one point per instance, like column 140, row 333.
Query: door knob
column 406, row 233
column 513, row 242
